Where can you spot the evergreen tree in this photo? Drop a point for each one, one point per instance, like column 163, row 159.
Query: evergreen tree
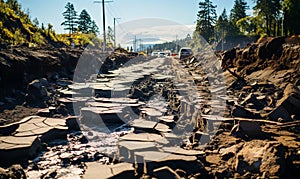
column 94, row 28
column 50, row 26
column 84, row 22
column 222, row 25
column 248, row 25
column 270, row 11
column 110, row 34
column 206, row 19
column 36, row 22
column 291, row 10
column 239, row 10
column 70, row 16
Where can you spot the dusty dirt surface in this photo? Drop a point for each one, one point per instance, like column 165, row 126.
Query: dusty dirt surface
column 16, row 114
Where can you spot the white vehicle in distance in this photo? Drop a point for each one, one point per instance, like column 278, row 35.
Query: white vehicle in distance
column 161, row 54
column 185, row 52
column 154, row 54
column 168, row 53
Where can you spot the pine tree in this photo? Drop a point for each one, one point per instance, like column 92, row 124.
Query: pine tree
column 270, row 11
column 36, row 22
column 70, row 16
column 84, row 22
column 94, row 28
column 206, row 20
column 222, row 25
column 291, row 10
column 239, row 10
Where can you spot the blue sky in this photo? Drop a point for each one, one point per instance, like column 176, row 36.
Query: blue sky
column 153, row 21
column 179, row 11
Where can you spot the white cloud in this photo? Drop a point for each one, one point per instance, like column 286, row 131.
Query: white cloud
column 151, row 31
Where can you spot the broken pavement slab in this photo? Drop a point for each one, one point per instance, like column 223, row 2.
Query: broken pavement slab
column 151, row 112
column 117, row 100
column 137, row 145
column 98, row 170
column 148, row 161
column 167, row 119
column 25, row 141
column 146, row 137
column 162, row 128
column 127, row 149
column 181, row 151
column 14, row 149
column 143, row 124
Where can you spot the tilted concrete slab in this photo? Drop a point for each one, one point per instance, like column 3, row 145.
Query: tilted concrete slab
column 24, row 142
column 146, row 137
column 144, row 124
column 98, row 170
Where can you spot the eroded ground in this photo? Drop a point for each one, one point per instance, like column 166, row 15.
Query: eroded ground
column 231, row 116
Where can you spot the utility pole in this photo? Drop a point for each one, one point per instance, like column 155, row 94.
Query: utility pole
column 115, row 18
column 282, row 19
column 222, row 39
column 134, row 44
column 103, row 14
column 141, row 45
column 176, row 49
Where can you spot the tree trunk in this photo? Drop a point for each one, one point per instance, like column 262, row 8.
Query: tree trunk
column 274, row 26
column 279, row 28
column 267, row 24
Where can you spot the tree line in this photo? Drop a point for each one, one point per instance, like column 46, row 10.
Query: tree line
column 270, row 18
column 82, row 23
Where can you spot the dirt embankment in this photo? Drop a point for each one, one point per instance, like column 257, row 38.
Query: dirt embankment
column 275, row 53
column 268, row 71
column 29, row 77
column 22, row 65
column 259, row 136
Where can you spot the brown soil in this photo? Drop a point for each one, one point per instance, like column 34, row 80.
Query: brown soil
column 16, row 114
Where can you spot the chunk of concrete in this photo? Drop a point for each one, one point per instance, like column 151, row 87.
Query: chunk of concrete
column 16, row 149
column 96, row 170
column 143, row 124
column 148, row 161
column 146, row 137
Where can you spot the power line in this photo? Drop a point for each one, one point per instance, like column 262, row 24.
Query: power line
column 112, row 8
column 114, row 14
column 119, row 25
column 110, row 11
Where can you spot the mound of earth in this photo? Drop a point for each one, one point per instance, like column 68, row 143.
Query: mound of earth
column 30, row 77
